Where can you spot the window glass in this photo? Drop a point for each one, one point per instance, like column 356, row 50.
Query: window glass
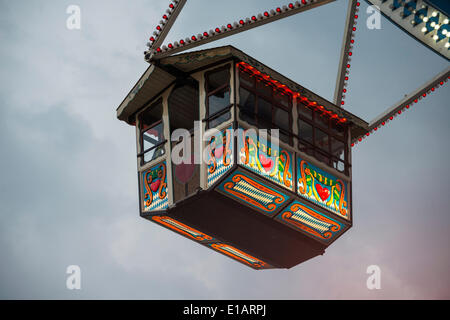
column 183, row 107
column 306, row 148
column 337, row 129
column 218, row 101
column 151, row 138
column 337, row 148
column 246, row 79
column 264, row 114
column 154, row 154
column 218, row 79
column 216, row 121
column 338, row 165
column 151, row 115
column 305, row 131
column 281, row 119
column 284, row 136
column 322, row 120
column 262, row 106
column 282, row 99
column 322, row 157
column 247, row 106
column 264, row 89
column 322, row 139
column 304, row 111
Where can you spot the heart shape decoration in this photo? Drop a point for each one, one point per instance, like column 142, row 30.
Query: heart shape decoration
column 267, row 163
column 185, row 171
column 218, row 152
column 324, row 193
column 155, row 185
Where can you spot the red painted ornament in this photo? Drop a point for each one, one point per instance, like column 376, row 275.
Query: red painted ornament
column 267, row 163
column 155, row 185
column 323, row 192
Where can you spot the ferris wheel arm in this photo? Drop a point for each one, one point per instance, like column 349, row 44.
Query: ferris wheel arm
column 155, row 52
column 422, row 21
column 409, row 99
column 347, row 47
column 166, row 24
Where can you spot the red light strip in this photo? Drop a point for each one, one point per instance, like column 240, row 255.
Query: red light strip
column 405, row 105
column 157, row 52
column 164, row 26
column 346, row 54
column 276, row 85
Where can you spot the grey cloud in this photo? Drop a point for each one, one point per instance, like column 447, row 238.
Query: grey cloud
column 69, row 184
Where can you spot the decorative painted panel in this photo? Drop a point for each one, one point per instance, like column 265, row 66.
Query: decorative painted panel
column 154, row 188
column 253, row 193
column 312, row 222
column 220, row 156
column 256, row 154
column 322, row 188
column 182, row 228
column 239, row 255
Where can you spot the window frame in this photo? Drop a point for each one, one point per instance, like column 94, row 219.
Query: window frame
column 142, row 130
column 274, row 104
column 317, row 124
column 196, row 86
column 211, row 117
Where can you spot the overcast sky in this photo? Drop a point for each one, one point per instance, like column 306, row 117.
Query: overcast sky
column 69, row 185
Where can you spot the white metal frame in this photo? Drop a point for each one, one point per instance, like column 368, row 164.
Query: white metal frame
column 403, row 13
column 346, row 48
column 406, row 102
column 411, row 16
column 224, row 31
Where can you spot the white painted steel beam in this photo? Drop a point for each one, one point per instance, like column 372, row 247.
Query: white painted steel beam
column 168, row 19
column 231, row 29
column 347, row 47
column 409, row 100
column 420, row 20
